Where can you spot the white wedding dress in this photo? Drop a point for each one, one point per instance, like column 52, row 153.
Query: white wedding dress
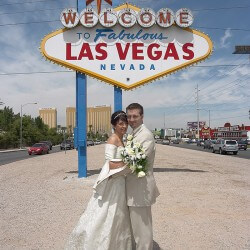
column 105, row 224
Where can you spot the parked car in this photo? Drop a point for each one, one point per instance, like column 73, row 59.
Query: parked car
column 68, row 144
column 97, row 142
column 200, row 142
column 242, row 144
column 158, row 141
column 225, row 146
column 175, row 141
column 209, row 144
column 185, row 139
column 90, row 143
column 38, row 149
column 165, row 142
column 49, row 143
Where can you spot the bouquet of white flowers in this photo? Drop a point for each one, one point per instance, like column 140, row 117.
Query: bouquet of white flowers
column 134, row 155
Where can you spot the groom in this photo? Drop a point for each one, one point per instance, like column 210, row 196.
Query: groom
column 141, row 192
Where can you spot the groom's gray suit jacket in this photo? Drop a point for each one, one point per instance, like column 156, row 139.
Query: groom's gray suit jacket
column 143, row 191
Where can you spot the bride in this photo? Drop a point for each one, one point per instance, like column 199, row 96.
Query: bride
column 105, row 224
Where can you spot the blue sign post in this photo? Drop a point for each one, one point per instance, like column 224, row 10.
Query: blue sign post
column 117, row 98
column 81, row 116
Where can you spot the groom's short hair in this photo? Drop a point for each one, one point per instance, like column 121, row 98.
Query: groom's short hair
column 135, row 106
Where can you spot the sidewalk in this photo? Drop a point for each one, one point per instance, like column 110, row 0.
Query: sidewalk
column 204, row 201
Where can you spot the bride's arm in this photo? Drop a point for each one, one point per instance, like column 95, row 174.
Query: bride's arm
column 113, row 164
column 116, row 164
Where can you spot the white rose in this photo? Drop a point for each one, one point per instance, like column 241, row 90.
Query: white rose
column 130, row 137
column 137, row 144
column 140, row 167
column 130, row 151
column 132, row 167
column 138, row 156
column 143, row 156
column 141, row 174
column 132, row 157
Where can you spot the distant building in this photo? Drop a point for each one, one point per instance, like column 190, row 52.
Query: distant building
column 98, row 119
column 235, row 132
column 49, row 116
column 172, row 133
column 70, row 119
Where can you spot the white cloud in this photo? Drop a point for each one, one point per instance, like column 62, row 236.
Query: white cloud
column 224, row 40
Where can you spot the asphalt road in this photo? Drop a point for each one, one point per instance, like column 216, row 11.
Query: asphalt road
column 9, row 157
column 241, row 153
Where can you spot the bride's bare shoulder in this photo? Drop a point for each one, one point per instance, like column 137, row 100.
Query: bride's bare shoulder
column 113, row 139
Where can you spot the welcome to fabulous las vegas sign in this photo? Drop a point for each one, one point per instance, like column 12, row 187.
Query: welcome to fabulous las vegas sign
column 126, row 46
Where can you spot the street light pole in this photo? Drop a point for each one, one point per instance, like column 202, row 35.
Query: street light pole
column 198, row 110
column 21, row 125
column 208, row 119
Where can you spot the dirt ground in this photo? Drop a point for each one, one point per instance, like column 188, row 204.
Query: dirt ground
column 204, row 201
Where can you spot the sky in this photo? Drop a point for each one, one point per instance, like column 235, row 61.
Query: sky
column 223, row 79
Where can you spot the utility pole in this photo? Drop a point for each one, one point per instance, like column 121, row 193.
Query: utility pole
column 209, row 118
column 164, row 120
column 198, row 111
column 164, row 127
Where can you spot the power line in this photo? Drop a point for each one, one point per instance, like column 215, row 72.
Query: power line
column 217, row 28
column 222, row 118
column 207, row 9
column 214, row 110
column 37, row 72
column 219, row 65
column 219, row 90
column 41, row 1
column 184, row 105
column 21, row 12
column 32, row 22
column 188, row 108
column 215, row 75
column 223, row 8
column 224, row 74
column 46, row 21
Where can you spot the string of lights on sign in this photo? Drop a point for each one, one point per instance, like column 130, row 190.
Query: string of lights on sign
column 127, row 18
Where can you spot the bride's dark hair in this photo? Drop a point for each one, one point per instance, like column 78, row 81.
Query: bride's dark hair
column 117, row 116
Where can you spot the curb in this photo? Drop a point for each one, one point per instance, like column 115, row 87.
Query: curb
column 18, row 149
column 12, row 150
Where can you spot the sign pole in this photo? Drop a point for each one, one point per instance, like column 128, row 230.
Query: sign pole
column 81, row 115
column 117, row 98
